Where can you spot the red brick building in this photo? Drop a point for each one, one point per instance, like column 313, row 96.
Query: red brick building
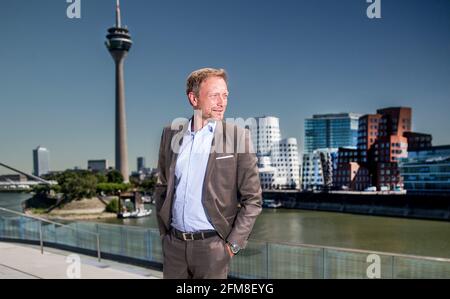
column 382, row 142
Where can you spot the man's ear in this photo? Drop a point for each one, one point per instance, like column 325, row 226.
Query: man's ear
column 193, row 99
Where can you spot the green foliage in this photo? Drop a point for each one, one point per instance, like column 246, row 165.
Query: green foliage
column 46, row 190
column 135, row 181
column 148, row 185
column 113, row 206
column 114, row 176
column 41, row 190
column 101, row 178
column 112, row 188
column 38, row 211
column 79, row 185
column 75, row 184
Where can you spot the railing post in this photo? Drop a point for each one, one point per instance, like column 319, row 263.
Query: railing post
column 21, row 229
column 77, row 241
column 393, row 267
column 122, row 245
column 149, row 245
column 98, row 249
column 2, row 228
column 56, row 233
column 267, row 261
column 324, row 264
column 41, row 240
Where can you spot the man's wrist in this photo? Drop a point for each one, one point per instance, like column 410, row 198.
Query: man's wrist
column 230, row 253
column 234, row 248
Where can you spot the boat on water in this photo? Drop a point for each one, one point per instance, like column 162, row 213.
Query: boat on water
column 141, row 213
column 271, row 204
column 124, row 215
column 131, row 205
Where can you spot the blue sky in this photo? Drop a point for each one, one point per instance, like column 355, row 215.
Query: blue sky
column 287, row 58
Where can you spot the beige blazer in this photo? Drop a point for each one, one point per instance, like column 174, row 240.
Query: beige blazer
column 232, row 194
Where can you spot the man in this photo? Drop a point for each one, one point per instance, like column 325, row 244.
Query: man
column 208, row 193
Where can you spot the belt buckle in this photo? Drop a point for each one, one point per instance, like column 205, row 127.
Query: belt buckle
column 186, row 238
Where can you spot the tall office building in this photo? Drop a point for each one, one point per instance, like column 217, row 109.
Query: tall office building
column 331, row 131
column 41, row 161
column 98, row 165
column 140, row 164
column 119, row 43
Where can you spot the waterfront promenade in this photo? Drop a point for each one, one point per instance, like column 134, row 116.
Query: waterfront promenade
column 27, row 262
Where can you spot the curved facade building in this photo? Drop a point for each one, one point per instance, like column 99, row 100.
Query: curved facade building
column 278, row 159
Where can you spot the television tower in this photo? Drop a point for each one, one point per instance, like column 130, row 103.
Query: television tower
column 119, row 43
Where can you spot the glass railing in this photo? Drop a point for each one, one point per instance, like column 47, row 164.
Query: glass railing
column 260, row 260
column 16, row 226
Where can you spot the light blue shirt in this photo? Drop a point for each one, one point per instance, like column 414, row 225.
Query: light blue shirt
column 188, row 213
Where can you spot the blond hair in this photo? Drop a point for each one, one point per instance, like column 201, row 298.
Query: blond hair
column 196, row 79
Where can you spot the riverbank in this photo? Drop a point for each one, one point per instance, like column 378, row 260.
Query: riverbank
column 85, row 209
column 429, row 207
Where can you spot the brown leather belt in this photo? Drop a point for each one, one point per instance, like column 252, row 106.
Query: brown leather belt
column 194, row 236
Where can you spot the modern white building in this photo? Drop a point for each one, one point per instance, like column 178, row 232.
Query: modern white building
column 285, row 159
column 267, row 134
column 41, row 161
column 318, row 169
column 267, row 172
column 278, row 159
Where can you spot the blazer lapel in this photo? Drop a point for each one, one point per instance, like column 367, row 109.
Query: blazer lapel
column 171, row 182
column 218, row 135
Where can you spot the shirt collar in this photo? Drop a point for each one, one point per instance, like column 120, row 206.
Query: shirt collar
column 210, row 127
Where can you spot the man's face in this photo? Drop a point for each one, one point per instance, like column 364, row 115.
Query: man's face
column 212, row 99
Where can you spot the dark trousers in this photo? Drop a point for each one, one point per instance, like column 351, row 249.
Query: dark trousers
column 199, row 259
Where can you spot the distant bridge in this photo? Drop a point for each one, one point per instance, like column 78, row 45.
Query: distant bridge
column 33, row 180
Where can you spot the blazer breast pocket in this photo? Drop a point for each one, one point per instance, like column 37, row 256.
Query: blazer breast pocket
column 225, row 161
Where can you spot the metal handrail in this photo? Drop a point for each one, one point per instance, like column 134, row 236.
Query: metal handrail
column 41, row 220
column 352, row 250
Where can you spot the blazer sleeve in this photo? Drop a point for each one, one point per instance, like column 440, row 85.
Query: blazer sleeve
column 249, row 194
column 161, row 183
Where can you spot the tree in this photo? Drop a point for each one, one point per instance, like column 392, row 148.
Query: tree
column 148, row 185
column 114, row 176
column 44, row 191
column 112, row 188
column 79, row 185
column 135, row 181
column 101, row 177
column 113, row 206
